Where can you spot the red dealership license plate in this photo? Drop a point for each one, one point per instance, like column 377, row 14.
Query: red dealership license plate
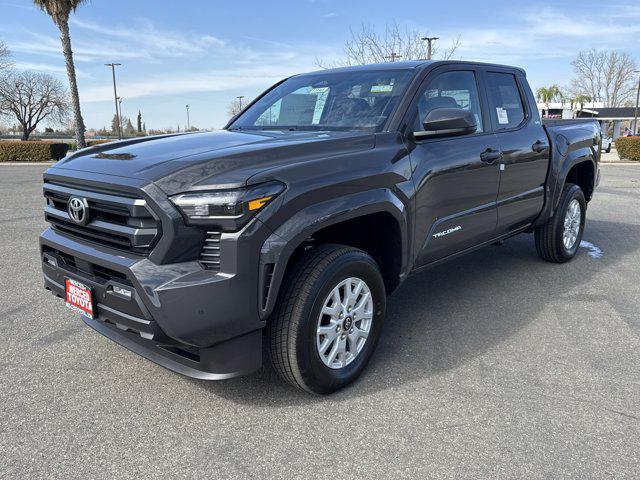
column 78, row 297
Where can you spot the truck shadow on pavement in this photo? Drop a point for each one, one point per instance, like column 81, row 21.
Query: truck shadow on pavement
column 445, row 317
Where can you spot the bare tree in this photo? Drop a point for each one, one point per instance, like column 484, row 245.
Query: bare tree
column 367, row 45
column 604, row 75
column 236, row 106
column 33, row 97
column 5, row 57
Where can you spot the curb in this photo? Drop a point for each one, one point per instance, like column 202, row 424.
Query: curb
column 14, row 164
column 620, row 163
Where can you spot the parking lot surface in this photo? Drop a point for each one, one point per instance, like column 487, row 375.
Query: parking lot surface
column 495, row 365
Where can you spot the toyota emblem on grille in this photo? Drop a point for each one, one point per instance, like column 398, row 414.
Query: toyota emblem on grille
column 78, row 210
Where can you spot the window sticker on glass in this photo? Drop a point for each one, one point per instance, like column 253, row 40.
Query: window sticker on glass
column 503, row 118
column 381, row 88
column 319, row 90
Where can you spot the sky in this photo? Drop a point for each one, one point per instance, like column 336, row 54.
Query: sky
column 206, row 52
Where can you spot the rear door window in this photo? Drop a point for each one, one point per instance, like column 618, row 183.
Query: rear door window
column 507, row 109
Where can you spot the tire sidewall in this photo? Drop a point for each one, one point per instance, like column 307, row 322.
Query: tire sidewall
column 571, row 193
column 316, row 374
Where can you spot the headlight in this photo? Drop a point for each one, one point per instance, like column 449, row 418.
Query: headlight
column 230, row 209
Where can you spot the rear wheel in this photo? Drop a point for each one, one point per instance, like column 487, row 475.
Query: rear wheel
column 328, row 318
column 608, row 150
column 558, row 240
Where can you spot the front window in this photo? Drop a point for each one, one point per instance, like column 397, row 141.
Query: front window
column 328, row 101
column 454, row 89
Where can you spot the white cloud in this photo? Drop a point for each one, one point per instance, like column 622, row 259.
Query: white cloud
column 185, row 82
column 40, row 67
column 546, row 33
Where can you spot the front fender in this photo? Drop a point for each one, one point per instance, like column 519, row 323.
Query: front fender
column 278, row 248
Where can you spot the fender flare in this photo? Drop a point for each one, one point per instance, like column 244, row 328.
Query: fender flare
column 277, row 249
column 557, row 176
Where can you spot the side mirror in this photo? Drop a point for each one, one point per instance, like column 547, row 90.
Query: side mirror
column 446, row 122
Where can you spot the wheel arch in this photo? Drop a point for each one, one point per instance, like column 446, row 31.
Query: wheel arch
column 579, row 167
column 322, row 223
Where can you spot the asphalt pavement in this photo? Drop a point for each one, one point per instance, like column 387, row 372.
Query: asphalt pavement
column 495, row 365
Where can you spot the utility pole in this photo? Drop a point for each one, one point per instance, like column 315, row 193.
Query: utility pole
column 393, row 56
column 120, row 121
column 188, row 122
column 635, row 113
column 115, row 95
column 429, row 41
column 240, row 97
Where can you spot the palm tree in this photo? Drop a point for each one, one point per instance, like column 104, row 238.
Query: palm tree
column 59, row 11
column 548, row 95
column 580, row 99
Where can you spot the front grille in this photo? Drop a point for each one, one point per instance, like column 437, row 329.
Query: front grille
column 210, row 255
column 118, row 220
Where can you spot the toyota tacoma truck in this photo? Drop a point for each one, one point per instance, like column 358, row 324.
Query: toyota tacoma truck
column 281, row 235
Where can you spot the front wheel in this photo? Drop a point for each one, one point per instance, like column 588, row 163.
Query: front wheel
column 328, row 318
column 558, row 240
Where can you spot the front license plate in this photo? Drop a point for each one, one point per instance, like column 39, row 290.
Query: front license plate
column 78, row 297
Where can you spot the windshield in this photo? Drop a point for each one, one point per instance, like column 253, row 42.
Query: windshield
column 328, row 101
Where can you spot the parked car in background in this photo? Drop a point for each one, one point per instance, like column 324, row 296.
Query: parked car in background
column 606, row 143
column 291, row 226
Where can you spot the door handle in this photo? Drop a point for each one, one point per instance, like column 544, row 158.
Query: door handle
column 490, row 155
column 539, row 146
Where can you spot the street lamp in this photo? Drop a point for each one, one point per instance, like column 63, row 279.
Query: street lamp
column 188, row 123
column 115, row 94
column 635, row 113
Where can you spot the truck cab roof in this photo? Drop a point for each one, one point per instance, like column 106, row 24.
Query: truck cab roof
column 412, row 65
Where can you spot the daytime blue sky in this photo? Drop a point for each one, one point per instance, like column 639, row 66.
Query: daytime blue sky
column 205, row 53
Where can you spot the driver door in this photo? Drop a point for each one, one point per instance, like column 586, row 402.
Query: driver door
column 456, row 177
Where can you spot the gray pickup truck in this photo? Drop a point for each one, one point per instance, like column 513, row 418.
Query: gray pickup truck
column 289, row 228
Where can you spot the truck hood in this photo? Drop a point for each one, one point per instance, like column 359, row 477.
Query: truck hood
column 221, row 159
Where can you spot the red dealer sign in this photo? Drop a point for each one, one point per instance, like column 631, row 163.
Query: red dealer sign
column 78, row 297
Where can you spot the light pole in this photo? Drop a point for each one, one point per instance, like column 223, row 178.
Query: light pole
column 188, row 123
column 120, row 121
column 115, row 94
column 429, row 41
column 240, row 97
column 635, row 113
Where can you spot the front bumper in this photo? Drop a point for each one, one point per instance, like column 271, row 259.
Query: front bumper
column 201, row 324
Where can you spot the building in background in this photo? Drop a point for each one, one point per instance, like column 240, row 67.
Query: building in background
column 612, row 119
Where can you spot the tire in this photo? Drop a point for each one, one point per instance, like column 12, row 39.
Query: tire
column 608, row 150
column 550, row 238
column 293, row 329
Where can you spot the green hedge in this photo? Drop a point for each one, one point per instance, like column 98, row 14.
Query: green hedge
column 32, row 151
column 628, row 148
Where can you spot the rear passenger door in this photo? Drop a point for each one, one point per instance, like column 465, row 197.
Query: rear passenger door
column 524, row 146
